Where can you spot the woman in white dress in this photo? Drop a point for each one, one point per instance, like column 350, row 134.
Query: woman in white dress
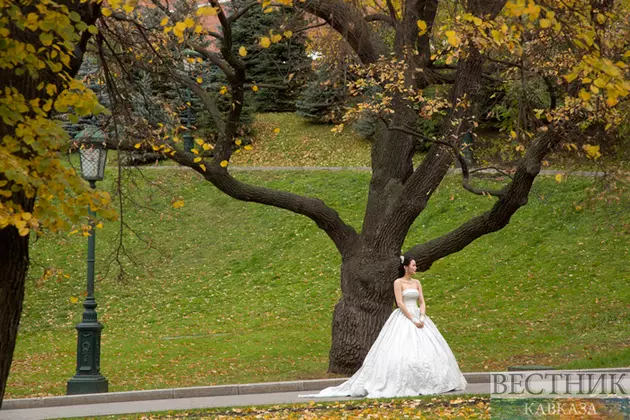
column 409, row 357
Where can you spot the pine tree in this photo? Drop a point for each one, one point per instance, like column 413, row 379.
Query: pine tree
column 284, row 63
column 323, row 99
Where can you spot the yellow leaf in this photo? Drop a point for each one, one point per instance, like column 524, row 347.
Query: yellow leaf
column 584, row 95
column 128, row 8
column 164, row 21
column 276, row 130
column 106, row 12
column 23, row 231
column 287, row 34
column 199, row 80
column 513, row 134
column 197, row 160
column 51, row 89
column 571, row 77
column 137, row 145
column 545, row 23
column 422, row 27
column 238, row 142
column 242, row 51
column 207, row 11
column 255, row 88
column 203, row 167
column 74, row 299
column 453, row 39
column 612, row 102
column 248, row 147
column 592, row 151
column 100, row 225
column 559, row 177
column 177, row 204
column 265, row 42
column 207, row 146
column 223, row 90
column 224, row 163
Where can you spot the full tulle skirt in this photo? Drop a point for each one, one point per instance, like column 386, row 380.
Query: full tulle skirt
column 404, row 361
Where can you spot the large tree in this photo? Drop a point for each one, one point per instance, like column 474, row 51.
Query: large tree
column 41, row 49
column 576, row 48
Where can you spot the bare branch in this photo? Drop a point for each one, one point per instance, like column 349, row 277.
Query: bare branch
column 496, row 218
column 235, row 16
column 460, row 157
column 392, row 10
column 311, row 27
column 348, row 21
column 382, row 18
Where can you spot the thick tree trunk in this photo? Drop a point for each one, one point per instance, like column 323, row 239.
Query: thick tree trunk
column 367, row 302
column 13, row 268
column 14, row 257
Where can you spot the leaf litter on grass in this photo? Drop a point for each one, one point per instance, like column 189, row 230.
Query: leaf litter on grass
column 460, row 407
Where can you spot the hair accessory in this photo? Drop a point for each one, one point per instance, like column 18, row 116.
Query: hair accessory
column 402, row 259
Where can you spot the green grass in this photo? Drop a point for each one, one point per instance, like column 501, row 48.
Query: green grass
column 241, row 292
column 300, row 143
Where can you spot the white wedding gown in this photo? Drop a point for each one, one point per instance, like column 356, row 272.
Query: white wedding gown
column 404, row 361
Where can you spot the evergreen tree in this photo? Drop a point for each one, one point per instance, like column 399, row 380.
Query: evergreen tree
column 284, row 63
column 323, row 99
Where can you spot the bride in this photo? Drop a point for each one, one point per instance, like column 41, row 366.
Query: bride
column 409, row 357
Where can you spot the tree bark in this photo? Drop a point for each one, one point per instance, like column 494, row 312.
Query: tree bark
column 366, row 303
column 14, row 253
column 14, row 260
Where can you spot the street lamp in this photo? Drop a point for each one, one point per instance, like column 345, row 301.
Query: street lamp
column 88, row 378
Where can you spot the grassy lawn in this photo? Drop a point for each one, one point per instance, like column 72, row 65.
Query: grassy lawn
column 428, row 407
column 300, row 143
column 231, row 292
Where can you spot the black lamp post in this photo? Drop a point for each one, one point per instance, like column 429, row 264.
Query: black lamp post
column 88, row 378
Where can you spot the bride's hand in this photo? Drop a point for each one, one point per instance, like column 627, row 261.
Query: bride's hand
column 419, row 324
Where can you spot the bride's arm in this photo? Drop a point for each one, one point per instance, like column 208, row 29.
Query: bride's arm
column 423, row 304
column 399, row 300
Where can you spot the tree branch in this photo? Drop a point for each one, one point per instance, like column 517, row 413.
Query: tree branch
column 460, row 157
column 495, row 219
column 326, row 218
column 382, row 18
column 235, row 16
column 348, row 21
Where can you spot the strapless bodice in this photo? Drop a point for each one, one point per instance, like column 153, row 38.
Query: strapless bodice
column 410, row 298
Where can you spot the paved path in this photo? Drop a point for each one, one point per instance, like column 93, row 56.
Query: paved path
column 182, row 404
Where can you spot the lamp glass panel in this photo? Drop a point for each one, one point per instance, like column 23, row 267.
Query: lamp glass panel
column 93, row 163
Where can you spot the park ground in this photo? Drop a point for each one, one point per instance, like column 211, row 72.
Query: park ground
column 220, row 291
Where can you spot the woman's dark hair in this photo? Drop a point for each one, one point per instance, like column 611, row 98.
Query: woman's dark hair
column 405, row 261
